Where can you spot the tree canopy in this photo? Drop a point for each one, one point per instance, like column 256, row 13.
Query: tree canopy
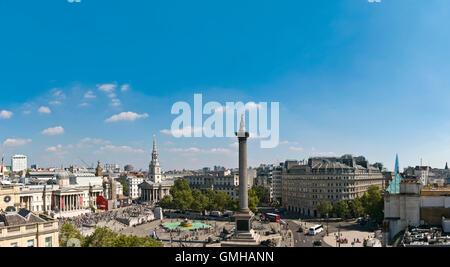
column 105, row 237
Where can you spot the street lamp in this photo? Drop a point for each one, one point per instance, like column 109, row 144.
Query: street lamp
column 327, row 224
column 339, row 234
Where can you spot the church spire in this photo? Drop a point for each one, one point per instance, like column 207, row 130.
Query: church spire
column 154, row 170
column 396, row 164
column 446, row 165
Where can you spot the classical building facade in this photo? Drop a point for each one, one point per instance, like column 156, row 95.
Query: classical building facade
column 331, row 179
column 67, row 195
column 154, row 188
column 26, row 229
column 225, row 181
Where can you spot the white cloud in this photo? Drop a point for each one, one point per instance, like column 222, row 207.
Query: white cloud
column 198, row 150
column 54, row 148
column 119, row 149
column 125, row 87
column 84, row 104
column 107, row 87
column 186, row 130
column 13, row 142
column 53, row 131
column 44, row 110
column 59, row 150
column 89, row 142
column 54, row 103
column 115, row 102
column 89, row 95
column 5, row 114
column 288, row 143
column 235, row 144
column 186, row 150
column 58, row 93
column 295, row 148
column 126, row 116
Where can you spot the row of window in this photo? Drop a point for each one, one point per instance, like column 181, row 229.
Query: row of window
column 30, row 243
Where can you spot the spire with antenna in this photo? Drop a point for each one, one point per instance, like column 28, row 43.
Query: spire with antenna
column 396, row 170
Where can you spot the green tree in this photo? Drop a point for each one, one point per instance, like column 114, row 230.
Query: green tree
column 180, row 185
column 181, row 195
column 101, row 237
column 262, row 194
column 356, row 207
column 200, row 202
column 373, row 203
column 222, row 201
column 210, row 196
column 166, row 202
column 68, row 231
column 341, row 209
column 182, row 200
column 324, row 207
column 134, row 241
column 125, row 187
column 104, row 237
column 253, row 201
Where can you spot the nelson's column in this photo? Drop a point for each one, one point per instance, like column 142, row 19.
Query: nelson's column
column 244, row 234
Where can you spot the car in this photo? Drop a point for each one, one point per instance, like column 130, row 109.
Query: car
column 300, row 230
column 317, row 243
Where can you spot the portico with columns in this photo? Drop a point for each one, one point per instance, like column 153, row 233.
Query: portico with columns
column 154, row 188
column 68, row 202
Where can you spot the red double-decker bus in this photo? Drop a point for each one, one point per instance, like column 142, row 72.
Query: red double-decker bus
column 272, row 217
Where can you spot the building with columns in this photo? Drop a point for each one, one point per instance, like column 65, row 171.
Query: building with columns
column 154, row 169
column 70, row 196
column 154, row 188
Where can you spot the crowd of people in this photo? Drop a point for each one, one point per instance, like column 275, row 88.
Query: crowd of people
column 92, row 219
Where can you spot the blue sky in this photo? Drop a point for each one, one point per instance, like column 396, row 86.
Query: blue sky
column 351, row 77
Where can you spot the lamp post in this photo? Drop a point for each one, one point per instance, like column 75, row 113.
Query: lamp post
column 339, row 234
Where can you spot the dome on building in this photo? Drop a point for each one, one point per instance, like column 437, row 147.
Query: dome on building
column 61, row 175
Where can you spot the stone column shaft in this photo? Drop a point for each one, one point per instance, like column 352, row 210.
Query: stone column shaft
column 243, row 178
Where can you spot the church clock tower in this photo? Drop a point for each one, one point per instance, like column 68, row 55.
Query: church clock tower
column 154, row 170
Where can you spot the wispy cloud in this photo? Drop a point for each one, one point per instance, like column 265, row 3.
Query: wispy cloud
column 126, row 116
column 188, row 130
column 198, row 150
column 125, row 87
column 107, row 87
column 5, row 114
column 44, row 110
column 89, row 95
column 115, row 102
column 119, row 149
column 89, row 142
column 53, row 131
column 54, row 103
column 296, row 148
column 16, row 142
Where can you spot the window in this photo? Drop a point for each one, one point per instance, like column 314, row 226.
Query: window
column 48, row 242
column 30, row 243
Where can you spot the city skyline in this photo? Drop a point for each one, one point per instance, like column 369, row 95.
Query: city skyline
column 98, row 87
